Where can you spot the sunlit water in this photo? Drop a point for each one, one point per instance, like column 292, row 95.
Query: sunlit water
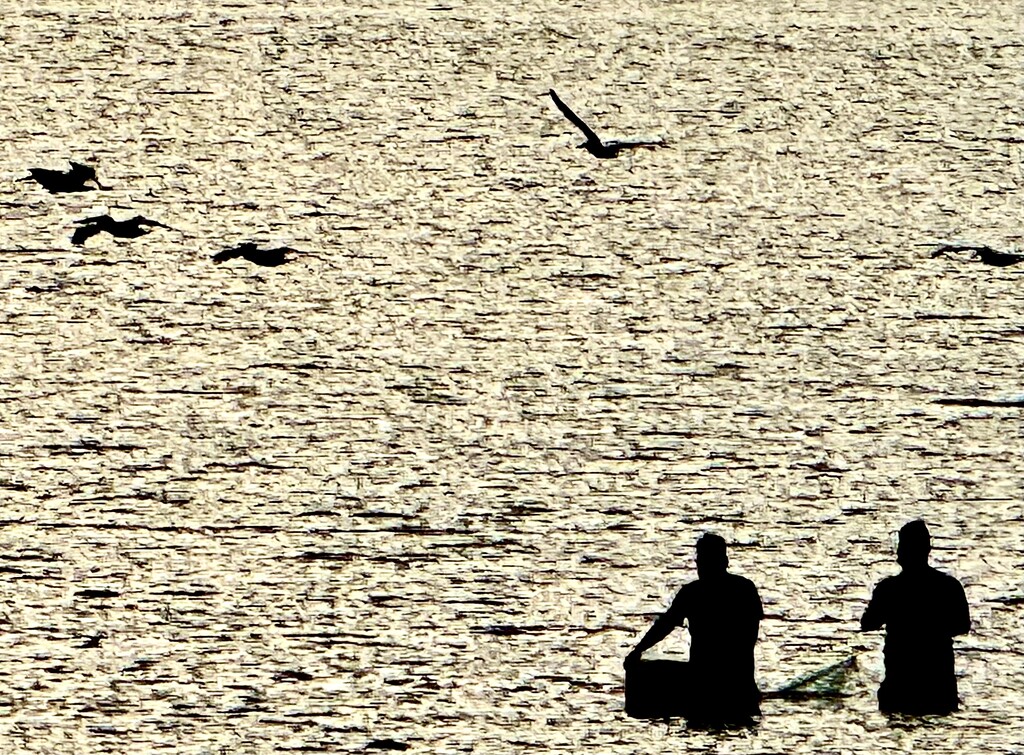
column 430, row 482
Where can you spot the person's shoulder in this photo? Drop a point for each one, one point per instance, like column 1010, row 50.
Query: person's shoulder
column 745, row 593
column 684, row 598
column 889, row 584
column 946, row 580
column 686, row 591
column 742, row 583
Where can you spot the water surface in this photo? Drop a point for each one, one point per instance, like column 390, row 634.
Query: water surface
column 432, row 481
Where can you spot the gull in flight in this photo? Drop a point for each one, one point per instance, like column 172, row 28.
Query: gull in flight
column 261, row 257
column 593, row 144
column 985, row 254
column 60, row 181
column 124, row 229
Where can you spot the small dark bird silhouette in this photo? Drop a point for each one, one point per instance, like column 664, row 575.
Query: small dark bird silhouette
column 593, row 144
column 262, row 257
column 985, row 254
column 61, row 181
column 94, row 641
column 124, row 229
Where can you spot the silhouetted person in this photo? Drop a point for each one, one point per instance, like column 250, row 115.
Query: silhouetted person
column 60, row 181
column 249, row 252
column 125, row 229
column 593, row 144
column 723, row 612
column 922, row 609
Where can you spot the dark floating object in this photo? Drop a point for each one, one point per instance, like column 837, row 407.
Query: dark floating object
column 124, row 229
column 1009, row 600
column 593, row 144
column 658, row 689
column 508, row 630
column 664, row 688
column 974, row 402
column 669, row 689
column 96, row 594
column 293, row 675
column 985, row 254
column 94, row 641
column 386, row 744
column 262, row 257
column 62, row 181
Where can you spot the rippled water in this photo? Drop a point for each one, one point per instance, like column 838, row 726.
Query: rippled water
column 430, row 482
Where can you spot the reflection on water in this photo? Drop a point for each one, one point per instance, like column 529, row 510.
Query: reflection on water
column 424, row 483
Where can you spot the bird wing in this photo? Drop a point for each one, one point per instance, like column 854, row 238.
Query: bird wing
column 243, row 249
column 82, row 234
column 227, row 254
column 141, row 220
column 574, row 119
column 944, row 248
column 96, row 219
column 626, row 143
column 1000, row 259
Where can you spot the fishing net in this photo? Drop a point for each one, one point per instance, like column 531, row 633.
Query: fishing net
column 830, row 682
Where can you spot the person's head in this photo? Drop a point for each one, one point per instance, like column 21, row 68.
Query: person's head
column 711, row 556
column 915, row 543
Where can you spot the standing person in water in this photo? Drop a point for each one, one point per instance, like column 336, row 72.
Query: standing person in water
column 922, row 610
column 723, row 612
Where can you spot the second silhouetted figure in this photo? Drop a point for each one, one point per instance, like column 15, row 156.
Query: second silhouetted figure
column 922, row 609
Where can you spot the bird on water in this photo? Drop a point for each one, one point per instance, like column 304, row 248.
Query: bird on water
column 249, row 252
column 124, row 229
column 61, row 181
column 593, row 144
column 985, row 254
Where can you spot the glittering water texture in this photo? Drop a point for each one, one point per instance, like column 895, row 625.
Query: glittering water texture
column 428, row 483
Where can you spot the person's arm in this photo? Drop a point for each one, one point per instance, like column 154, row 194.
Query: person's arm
column 874, row 616
column 661, row 629
column 961, row 613
column 760, row 614
column 756, row 614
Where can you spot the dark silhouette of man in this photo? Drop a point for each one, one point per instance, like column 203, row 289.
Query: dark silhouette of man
column 922, row 610
column 723, row 612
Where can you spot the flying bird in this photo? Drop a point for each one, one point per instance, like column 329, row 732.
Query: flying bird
column 593, row 144
column 61, row 181
column 985, row 254
column 124, row 229
column 262, row 257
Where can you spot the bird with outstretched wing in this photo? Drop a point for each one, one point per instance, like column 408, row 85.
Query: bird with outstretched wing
column 594, row 145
